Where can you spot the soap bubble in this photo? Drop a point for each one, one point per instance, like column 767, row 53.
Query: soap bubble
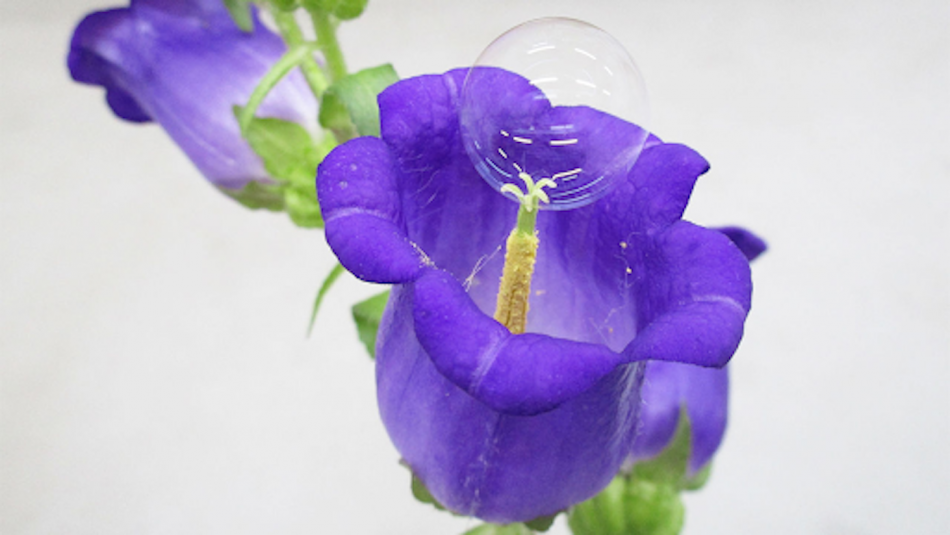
column 555, row 98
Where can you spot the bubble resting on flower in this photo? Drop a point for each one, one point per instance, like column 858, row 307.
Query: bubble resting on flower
column 568, row 63
column 510, row 427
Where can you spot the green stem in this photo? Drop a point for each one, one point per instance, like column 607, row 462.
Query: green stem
column 327, row 41
column 284, row 65
column 290, row 30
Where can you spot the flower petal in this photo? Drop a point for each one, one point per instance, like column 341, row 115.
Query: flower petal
column 88, row 66
column 478, row 461
column 667, row 388
column 706, row 395
column 514, row 374
column 693, row 308
column 449, row 210
column 747, row 242
column 360, row 205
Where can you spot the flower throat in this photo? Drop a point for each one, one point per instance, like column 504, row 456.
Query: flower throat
column 521, row 251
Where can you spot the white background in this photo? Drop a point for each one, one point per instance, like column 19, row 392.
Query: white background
column 155, row 374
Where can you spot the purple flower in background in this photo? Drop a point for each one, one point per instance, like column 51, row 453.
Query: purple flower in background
column 512, row 427
column 185, row 64
column 669, row 387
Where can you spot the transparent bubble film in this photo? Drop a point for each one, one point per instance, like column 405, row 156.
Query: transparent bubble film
column 559, row 99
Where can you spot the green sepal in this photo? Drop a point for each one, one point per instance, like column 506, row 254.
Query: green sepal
column 542, row 523
column 422, row 494
column 496, row 529
column 258, row 196
column 699, row 479
column 240, row 11
column 366, row 315
column 349, row 107
column 286, row 148
column 285, row 5
column 671, row 465
column 630, row 505
column 302, row 206
column 291, row 157
column 341, row 9
column 603, row 514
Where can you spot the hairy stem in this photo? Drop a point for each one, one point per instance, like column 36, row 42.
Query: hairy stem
column 327, row 41
column 290, row 31
column 284, row 65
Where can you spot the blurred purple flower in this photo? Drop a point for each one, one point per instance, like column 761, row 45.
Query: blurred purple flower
column 512, row 427
column 185, row 64
column 669, row 387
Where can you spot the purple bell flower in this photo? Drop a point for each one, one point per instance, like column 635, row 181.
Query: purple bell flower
column 703, row 392
column 512, row 427
column 185, row 64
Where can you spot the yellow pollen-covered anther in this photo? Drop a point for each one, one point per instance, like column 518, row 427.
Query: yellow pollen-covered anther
column 511, row 308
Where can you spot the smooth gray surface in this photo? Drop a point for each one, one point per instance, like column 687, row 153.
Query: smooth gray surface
column 155, row 376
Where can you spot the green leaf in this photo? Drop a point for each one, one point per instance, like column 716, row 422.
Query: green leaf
column 341, row 9
column 240, row 11
column 286, row 148
column 291, row 157
column 302, row 206
column 324, row 288
column 349, row 9
column 367, row 314
column 349, row 107
column 285, row 5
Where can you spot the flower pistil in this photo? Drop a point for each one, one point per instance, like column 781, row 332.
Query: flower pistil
column 511, row 308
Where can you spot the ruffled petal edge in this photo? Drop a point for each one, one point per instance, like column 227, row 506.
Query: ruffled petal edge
column 524, row 374
column 360, row 205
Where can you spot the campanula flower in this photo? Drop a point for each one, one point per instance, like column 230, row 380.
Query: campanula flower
column 669, row 387
column 185, row 64
column 509, row 427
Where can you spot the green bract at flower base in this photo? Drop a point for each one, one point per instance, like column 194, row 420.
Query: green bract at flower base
column 349, row 107
column 240, row 11
column 290, row 156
